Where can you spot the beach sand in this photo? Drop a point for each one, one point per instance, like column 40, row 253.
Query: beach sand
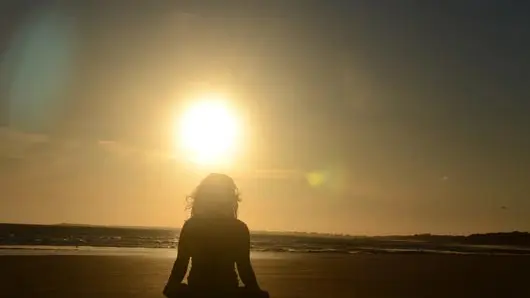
column 283, row 275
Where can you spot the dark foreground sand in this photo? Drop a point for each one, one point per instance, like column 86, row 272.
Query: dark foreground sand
column 284, row 275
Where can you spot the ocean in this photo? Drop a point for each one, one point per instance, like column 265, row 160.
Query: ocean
column 76, row 237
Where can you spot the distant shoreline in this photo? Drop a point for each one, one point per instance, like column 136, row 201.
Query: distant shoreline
column 289, row 233
column 79, row 235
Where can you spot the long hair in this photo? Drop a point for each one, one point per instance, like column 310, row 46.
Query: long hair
column 216, row 196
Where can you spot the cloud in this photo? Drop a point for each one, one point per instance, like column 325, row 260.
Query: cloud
column 29, row 154
column 9, row 137
column 16, row 145
column 21, row 145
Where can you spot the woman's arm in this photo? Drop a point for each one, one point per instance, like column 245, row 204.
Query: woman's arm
column 180, row 267
column 244, row 267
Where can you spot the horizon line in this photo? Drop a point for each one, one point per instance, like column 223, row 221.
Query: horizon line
column 263, row 231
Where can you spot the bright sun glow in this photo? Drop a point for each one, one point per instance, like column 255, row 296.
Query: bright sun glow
column 208, row 131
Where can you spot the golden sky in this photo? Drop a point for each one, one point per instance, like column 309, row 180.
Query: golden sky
column 354, row 119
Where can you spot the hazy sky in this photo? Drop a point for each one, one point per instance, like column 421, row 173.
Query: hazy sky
column 414, row 115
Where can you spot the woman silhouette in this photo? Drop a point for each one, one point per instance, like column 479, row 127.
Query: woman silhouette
column 217, row 243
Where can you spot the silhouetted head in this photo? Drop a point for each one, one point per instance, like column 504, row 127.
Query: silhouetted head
column 216, row 196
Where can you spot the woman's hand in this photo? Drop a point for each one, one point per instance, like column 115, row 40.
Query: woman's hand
column 173, row 289
column 168, row 291
column 262, row 294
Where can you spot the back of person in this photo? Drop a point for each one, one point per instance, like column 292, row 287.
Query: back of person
column 214, row 245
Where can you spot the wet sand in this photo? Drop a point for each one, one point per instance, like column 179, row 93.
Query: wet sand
column 283, row 275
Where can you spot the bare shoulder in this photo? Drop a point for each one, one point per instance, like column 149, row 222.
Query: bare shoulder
column 242, row 226
column 188, row 224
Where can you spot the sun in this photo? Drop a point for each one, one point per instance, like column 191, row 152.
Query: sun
column 208, row 131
